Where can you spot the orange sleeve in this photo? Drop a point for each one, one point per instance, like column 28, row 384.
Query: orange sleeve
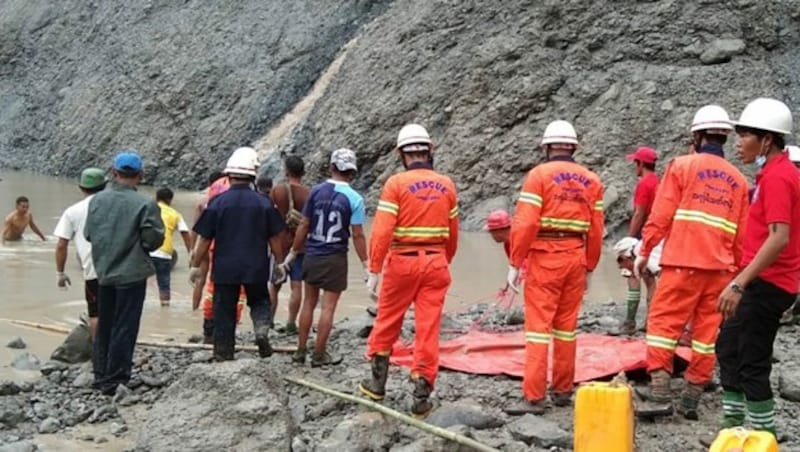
column 452, row 241
column 741, row 229
column 383, row 226
column 594, row 239
column 527, row 214
column 659, row 222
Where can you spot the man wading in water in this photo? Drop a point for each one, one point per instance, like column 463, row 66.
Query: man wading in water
column 18, row 220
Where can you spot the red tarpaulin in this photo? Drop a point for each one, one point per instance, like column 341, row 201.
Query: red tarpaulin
column 485, row 353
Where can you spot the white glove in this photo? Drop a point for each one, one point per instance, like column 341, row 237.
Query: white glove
column 194, row 276
column 287, row 262
column 62, row 280
column 639, row 266
column 279, row 274
column 372, row 283
column 511, row 278
column 588, row 281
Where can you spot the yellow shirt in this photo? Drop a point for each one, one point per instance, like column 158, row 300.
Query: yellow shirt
column 172, row 221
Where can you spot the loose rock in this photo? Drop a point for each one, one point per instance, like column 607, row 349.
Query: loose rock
column 19, row 446
column 721, row 51
column 16, row 343
column 118, row 429
column 202, row 356
column 50, row 425
column 9, row 388
column 789, row 384
column 538, row 431
column 464, row 413
column 26, row 361
column 53, row 366
column 366, row 431
column 76, row 348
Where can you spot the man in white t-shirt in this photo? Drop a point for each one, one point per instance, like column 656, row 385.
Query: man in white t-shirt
column 626, row 250
column 70, row 227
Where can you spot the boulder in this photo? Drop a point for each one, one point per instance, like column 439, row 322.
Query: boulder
column 721, row 51
column 363, row 432
column 235, row 405
column 464, row 413
column 16, row 343
column 540, row 432
column 76, row 348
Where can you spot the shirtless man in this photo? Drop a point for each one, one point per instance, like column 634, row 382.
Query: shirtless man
column 18, row 220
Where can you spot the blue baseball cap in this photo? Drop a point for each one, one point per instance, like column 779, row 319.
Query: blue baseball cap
column 128, row 161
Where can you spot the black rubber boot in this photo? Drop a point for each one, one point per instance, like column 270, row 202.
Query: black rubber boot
column 262, row 341
column 375, row 387
column 422, row 404
column 224, row 352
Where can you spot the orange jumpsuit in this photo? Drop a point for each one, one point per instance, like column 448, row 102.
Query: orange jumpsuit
column 558, row 229
column 414, row 238
column 701, row 210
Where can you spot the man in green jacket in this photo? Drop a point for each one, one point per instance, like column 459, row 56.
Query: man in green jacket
column 123, row 227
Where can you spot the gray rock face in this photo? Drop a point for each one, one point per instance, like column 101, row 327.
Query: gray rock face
column 487, row 79
column 539, row 432
column 464, row 413
column 26, row 361
column 238, row 405
column 16, row 343
column 183, row 83
column 365, row 431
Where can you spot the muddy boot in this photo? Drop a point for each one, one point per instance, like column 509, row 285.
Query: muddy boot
column 690, row 399
column 561, row 399
column 657, row 398
column 262, row 341
column 299, row 356
column 628, row 328
column 422, row 405
column 375, row 387
column 536, row 408
column 324, row 359
column 223, row 352
column 291, row 329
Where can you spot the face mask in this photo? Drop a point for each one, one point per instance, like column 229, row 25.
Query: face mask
column 760, row 161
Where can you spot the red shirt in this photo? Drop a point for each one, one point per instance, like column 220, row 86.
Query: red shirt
column 645, row 193
column 776, row 199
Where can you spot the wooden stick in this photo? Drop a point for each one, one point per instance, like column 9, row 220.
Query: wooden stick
column 438, row 431
column 146, row 343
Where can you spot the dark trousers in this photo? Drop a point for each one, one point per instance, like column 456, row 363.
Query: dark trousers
column 119, row 311
column 226, row 296
column 744, row 345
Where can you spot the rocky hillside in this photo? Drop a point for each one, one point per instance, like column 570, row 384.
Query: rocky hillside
column 185, row 83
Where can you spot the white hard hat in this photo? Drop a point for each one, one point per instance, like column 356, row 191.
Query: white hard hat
column 624, row 248
column 560, row 131
column 243, row 161
column 711, row 117
column 767, row 114
column 794, row 153
column 413, row 134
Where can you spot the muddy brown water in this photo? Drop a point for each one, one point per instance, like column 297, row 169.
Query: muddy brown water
column 29, row 292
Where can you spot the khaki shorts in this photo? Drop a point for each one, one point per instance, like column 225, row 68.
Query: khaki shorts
column 326, row 272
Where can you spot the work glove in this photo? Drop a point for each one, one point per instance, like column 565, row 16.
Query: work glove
column 511, row 278
column 62, row 280
column 194, row 276
column 639, row 266
column 279, row 274
column 372, row 284
column 287, row 262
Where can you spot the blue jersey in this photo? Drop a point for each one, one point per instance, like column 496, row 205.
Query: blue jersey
column 331, row 209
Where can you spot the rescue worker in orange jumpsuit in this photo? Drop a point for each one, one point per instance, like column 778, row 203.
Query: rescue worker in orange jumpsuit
column 700, row 213
column 558, row 229
column 414, row 238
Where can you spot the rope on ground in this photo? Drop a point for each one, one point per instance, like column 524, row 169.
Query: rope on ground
column 146, row 343
column 422, row 425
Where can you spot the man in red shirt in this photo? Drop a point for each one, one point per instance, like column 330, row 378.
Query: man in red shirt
column 767, row 284
column 644, row 194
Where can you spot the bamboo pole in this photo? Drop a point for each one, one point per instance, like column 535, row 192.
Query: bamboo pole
column 422, row 425
column 146, row 343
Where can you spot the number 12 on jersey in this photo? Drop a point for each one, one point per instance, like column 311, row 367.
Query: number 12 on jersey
column 326, row 229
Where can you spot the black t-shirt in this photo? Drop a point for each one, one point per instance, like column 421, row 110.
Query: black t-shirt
column 241, row 222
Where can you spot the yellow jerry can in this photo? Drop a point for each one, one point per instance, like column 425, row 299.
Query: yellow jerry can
column 604, row 418
column 742, row 440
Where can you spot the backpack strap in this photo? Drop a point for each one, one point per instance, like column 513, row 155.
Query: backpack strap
column 291, row 198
